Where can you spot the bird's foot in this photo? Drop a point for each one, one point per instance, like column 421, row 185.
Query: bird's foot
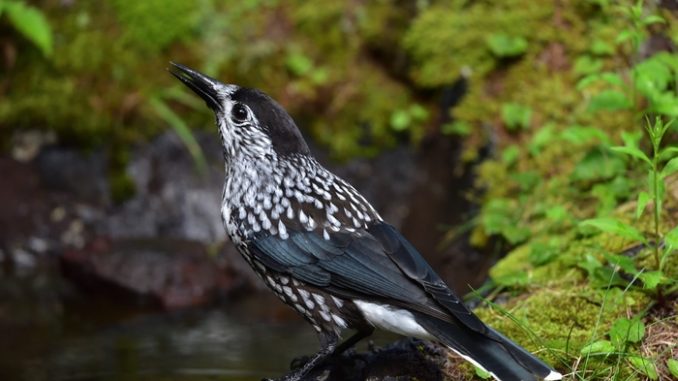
column 299, row 362
column 293, row 376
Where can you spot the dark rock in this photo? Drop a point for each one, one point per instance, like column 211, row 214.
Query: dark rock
column 404, row 360
column 172, row 198
column 386, row 185
column 169, row 273
column 82, row 175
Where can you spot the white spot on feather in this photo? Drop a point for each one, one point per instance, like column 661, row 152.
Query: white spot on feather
column 282, row 231
column 325, row 315
column 319, row 299
column 338, row 302
column 340, row 322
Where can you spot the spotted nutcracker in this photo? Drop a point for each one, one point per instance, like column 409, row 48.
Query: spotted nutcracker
column 324, row 250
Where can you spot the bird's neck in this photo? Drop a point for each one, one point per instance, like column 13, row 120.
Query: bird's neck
column 246, row 175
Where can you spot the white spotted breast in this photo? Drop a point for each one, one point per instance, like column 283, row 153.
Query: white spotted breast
column 288, row 194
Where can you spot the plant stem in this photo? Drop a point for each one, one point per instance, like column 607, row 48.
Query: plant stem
column 656, row 213
column 656, row 137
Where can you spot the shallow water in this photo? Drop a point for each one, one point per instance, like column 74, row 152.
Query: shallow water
column 189, row 346
column 101, row 340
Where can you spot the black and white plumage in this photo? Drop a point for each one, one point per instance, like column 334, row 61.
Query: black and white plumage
column 322, row 248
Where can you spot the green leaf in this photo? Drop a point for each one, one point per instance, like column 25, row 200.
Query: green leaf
column 418, row 112
column 32, row 24
column 645, row 366
column 651, row 77
column 516, row 115
column 652, row 279
column 542, row 138
column 587, row 81
column 612, row 78
column 653, row 19
column 668, row 153
column 516, row 234
column 664, row 102
column 456, row 128
column 510, row 155
column 671, row 239
column 601, row 48
column 672, row 364
column 516, row 279
column 624, row 36
column 590, row 264
column 400, row 120
column 598, row 164
column 643, row 199
column 626, row 330
column 600, row 347
column 557, row 214
column 542, row 253
column 320, row 76
column 483, row 374
column 634, row 152
column 616, row 227
column 669, row 168
column 583, row 134
column 502, row 45
column 601, row 3
column 624, row 263
column 587, row 65
column 605, row 276
column 636, row 330
column 298, row 64
column 527, row 180
column 632, row 138
column 403, row 119
column 609, row 100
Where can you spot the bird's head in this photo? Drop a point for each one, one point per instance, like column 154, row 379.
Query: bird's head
column 251, row 123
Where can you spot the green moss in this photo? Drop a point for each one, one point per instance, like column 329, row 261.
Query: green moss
column 548, row 177
column 445, row 39
column 121, row 186
column 112, row 59
column 154, row 24
column 563, row 320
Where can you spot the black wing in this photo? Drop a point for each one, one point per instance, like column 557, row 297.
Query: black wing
column 375, row 264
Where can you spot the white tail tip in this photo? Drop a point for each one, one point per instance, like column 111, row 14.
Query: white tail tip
column 553, row 376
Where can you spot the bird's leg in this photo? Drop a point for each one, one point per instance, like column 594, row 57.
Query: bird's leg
column 353, row 340
column 328, row 343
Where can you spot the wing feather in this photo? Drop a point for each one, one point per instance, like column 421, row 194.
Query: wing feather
column 375, row 264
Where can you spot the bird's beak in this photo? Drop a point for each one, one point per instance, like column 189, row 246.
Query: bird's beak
column 204, row 86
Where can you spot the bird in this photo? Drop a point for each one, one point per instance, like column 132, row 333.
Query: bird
column 325, row 251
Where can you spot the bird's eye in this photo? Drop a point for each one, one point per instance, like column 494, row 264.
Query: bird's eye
column 239, row 113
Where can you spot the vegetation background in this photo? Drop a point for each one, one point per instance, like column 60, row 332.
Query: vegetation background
column 561, row 112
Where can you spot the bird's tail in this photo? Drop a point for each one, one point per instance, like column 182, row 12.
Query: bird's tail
column 493, row 352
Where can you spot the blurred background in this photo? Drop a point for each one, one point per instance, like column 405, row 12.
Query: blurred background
column 475, row 127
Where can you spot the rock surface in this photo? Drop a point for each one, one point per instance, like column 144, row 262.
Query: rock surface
column 169, row 273
column 404, row 360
